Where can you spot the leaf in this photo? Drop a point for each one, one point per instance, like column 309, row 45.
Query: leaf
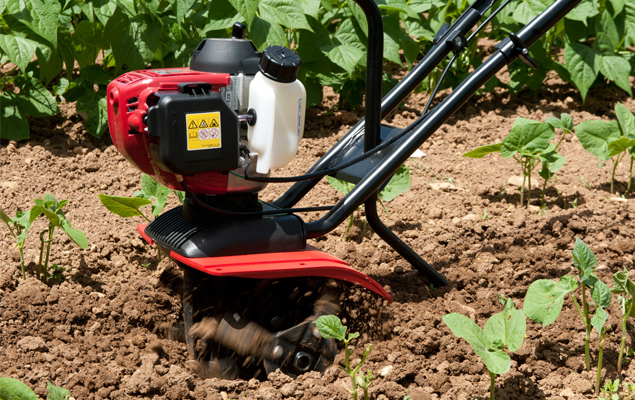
column 527, row 136
column 400, row 6
column 629, row 9
column 75, row 234
column 330, row 326
column 544, row 299
column 398, row 184
column 622, row 283
column 598, row 319
column 583, row 11
column 496, row 361
column 507, row 327
column 4, row 217
column 125, row 41
column 13, row 389
column 265, row 33
column 19, row 50
column 565, row 122
column 482, row 151
column 340, row 185
column 12, row 121
column 38, row 16
column 601, row 294
column 180, row 8
column 287, row 13
column 621, row 145
column 34, row 98
column 344, row 55
column 153, row 191
column 246, row 8
column 595, row 137
column 97, row 120
column 583, row 64
column 392, row 37
column 626, row 120
column 222, row 15
column 617, row 69
column 528, row 10
column 56, row 393
column 124, row 206
column 583, row 257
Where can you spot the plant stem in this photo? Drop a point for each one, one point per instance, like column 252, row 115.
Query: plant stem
column 623, row 344
column 22, row 261
column 39, row 263
column 613, row 172
column 350, row 223
column 522, row 188
column 630, row 174
column 492, row 387
column 529, row 169
column 600, row 354
column 587, row 323
column 48, row 252
column 351, row 373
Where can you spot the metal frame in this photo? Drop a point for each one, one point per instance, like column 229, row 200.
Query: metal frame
column 365, row 192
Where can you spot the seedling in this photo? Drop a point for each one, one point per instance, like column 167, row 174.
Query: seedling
column 611, row 140
column 485, row 215
column 151, row 192
column 11, row 388
column 544, row 300
column 506, row 328
column 626, row 122
column 611, row 391
column 528, row 143
column 398, row 184
column 623, row 286
column 21, row 223
column 330, row 326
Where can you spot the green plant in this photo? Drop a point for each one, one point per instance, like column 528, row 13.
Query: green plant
column 504, row 329
column 623, row 286
column 528, row 143
column 485, row 215
column 398, row 184
column 13, row 389
column 545, row 298
column 151, row 192
column 21, row 223
column 611, row 391
column 330, row 326
column 611, row 140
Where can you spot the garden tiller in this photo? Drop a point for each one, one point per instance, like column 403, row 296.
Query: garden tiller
column 252, row 285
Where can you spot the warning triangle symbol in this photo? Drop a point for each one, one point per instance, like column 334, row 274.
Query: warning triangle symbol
column 192, row 125
column 214, row 123
column 203, row 124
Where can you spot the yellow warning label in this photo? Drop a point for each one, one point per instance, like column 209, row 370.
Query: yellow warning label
column 203, row 131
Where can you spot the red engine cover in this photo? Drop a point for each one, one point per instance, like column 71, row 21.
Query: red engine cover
column 129, row 97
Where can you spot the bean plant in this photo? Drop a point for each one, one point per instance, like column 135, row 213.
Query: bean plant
column 611, row 391
column 546, row 293
column 20, row 225
column 528, row 143
column 397, row 185
column 330, row 326
column 612, row 140
column 13, row 389
column 623, row 286
column 504, row 329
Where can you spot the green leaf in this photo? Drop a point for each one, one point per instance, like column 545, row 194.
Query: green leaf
column 124, row 206
column 622, row 283
column 40, row 17
column 34, row 98
column 595, row 137
column 507, row 328
column 583, row 64
column 222, row 15
column 565, row 122
column 392, row 37
column 629, row 9
column 75, row 234
column 583, row 11
column 400, row 6
column 606, row 26
column 246, row 8
column 626, row 120
column 482, row 151
column 12, row 120
column 181, row 7
column 125, row 40
column 496, row 361
column 310, row 43
column 13, row 389
column 56, row 393
column 87, row 43
column 153, row 191
column 601, row 294
column 552, row 161
column 527, row 136
column 617, row 69
column 583, row 258
column 544, row 299
column 398, row 184
column 621, row 145
column 344, row 55
column 4, row 217
column 528, row 10
column 265, row 33
column 330, row 326
column 340, row 185
column 97, row 121
column 19, row 50
column 287, row 13
column 598, row 319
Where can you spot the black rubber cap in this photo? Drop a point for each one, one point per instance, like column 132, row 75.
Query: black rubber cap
column 280, row 64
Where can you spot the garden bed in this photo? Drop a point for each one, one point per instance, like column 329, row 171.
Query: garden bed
column 98, row 332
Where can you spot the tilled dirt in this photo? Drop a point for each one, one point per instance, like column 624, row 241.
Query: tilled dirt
column 99, row 332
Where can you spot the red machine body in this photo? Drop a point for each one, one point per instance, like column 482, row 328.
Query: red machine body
column 130, row 96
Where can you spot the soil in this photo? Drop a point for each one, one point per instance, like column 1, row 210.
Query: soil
column 98, row 331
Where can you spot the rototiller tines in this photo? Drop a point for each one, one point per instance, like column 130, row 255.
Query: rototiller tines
column 252, row 284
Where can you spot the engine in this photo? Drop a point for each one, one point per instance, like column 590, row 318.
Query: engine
column 234, row 112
